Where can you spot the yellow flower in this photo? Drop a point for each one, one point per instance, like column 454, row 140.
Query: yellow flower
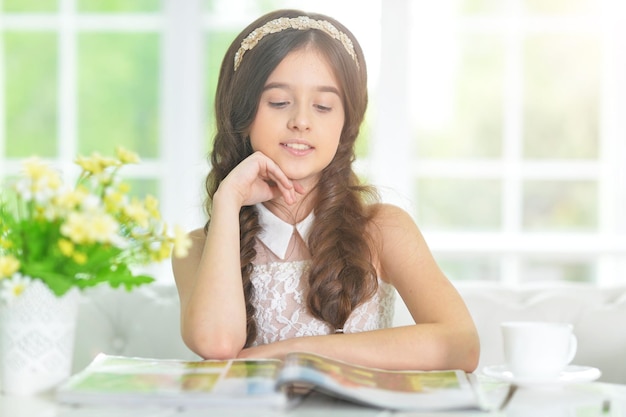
column 66, row 247
column 96, row 164
column 182, row 242
column 76, row 227
column 80, row 258
column 9, row 265
column 113, row 200
column 5, row 243
column 90, row 227
column 36, row 170
column 90, row 165
column 72, row 198
column 123, row 187
column 152, row 205
column 162, row 251
column 103, row 228
column 125, row 156
column 137, row 212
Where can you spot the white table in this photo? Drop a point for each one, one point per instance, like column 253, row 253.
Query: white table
column 574, row 400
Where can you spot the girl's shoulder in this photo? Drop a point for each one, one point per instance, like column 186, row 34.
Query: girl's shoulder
column 384, row 215
column 393, row 235
column 389, row 223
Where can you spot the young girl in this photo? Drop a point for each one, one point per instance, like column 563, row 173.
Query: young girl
column 297, row 254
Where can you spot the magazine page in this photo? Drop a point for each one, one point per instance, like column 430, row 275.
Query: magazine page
column 399, row 390
column 128, row 381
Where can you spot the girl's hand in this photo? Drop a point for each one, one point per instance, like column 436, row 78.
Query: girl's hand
column 257, row 179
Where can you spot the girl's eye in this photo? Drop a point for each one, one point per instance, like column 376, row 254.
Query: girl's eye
column 323, row 108
column 278, row 104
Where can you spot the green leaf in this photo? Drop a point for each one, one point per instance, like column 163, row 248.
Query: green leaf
column 123, row 276
column 59, row 284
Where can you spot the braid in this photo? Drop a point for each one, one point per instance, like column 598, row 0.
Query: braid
column 342, row 275
column 249, row 221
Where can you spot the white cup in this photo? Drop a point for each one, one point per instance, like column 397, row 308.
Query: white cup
column 538, row 349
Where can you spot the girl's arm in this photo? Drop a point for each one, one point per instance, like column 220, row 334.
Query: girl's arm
column 213, row 314
column 444, row 336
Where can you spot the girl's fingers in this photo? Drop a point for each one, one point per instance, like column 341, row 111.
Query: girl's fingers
column 298, row 188
column 258, row 179
column 284, row 188
column 287, row 188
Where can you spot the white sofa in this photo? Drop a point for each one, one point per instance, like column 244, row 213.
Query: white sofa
column 145, row 322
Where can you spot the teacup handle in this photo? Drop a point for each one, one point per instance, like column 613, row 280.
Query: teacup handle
column 573, row 346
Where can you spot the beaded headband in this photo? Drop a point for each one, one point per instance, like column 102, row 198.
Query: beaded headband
column 299, row 23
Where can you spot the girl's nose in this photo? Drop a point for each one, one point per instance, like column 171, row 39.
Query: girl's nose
column 299, row 119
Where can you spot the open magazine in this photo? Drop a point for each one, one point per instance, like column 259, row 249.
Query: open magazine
column 265, row 382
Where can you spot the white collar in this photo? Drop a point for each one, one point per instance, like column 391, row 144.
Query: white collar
column 277, row 233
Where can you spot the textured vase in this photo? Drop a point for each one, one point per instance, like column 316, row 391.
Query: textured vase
column 37, row 332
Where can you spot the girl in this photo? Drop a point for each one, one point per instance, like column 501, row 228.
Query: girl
column 297, row 254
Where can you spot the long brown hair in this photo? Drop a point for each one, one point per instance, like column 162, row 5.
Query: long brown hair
column 342, row 274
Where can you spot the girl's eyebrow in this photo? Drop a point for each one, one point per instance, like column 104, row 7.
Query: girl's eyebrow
column 285, row 86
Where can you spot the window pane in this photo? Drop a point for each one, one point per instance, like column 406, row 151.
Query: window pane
column 29, row 5
column 118, row 93
column 31, row 93
column 556, row 7
column 482, row 6
column 470, row 268
column 119, row 5
column 562, row 87
column 140, row 188
column 8, row 195
column 244, row 7
column 555, row 270
column 560, row 205
column 449, row 204
column 459, row 114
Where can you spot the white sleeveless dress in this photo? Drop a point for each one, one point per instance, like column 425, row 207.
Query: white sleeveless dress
column 282, row 261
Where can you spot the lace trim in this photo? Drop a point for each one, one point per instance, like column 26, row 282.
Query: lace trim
column 281, row 312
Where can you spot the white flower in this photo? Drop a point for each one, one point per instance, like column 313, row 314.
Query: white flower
column 13, row 287
column 39, row 183
column 91, row 203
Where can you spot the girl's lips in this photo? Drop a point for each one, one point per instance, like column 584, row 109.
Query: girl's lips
column 297, row 148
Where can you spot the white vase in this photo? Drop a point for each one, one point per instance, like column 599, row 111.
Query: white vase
column 37, row 332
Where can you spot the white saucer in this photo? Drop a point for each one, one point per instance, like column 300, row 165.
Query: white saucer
column 572, row 373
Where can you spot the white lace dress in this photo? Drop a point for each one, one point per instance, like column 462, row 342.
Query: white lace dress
column 282, row 260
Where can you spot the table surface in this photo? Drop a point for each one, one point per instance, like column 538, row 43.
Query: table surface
column 590, row 399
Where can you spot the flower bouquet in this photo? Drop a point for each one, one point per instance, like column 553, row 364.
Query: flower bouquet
column 93, row 232
column 56, row 240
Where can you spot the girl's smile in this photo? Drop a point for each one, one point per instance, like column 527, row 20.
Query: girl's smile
column 298, row 148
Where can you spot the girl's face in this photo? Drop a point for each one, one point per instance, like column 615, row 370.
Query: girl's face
column 300, row 116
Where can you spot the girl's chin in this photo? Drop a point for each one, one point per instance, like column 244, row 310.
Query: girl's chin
column 307, row 183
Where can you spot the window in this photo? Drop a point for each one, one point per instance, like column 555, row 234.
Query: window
column 517, row 136
column 499, row 124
